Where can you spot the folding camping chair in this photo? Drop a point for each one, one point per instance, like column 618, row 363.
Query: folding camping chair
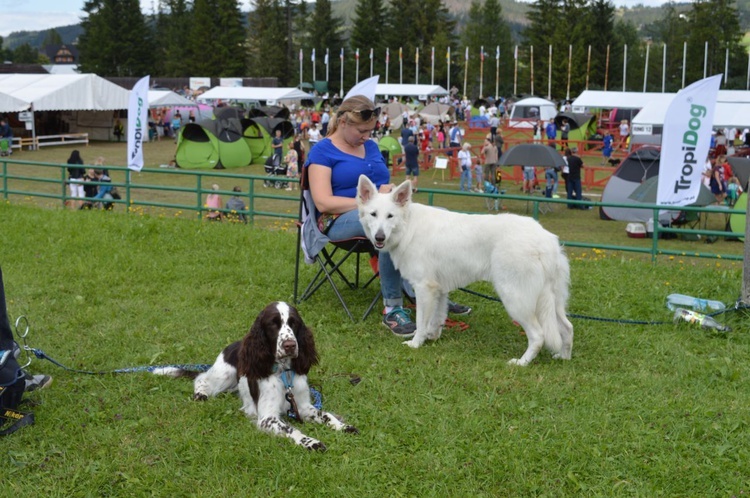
column 329, row 255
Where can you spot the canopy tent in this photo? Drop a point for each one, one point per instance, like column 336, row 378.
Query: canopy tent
column 9, row 103
column 420, row 91
column 252, row 93
column 598, row 99
column 65, row 92
column 168, row 98
column 436, row 112
column 732, row 109
column 525, row 112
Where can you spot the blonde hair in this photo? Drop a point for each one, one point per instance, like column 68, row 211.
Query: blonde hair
column 354, row 103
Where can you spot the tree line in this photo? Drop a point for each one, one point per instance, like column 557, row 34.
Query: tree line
column 567, row 46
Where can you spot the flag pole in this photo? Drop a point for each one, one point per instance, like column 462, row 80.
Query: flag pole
column 645, row 69
column 466, row 69
column 497, row 71
column 549, row 73
column 300, row 68
column 705, row 60
column 432, row 63
column 684, row 57
column 588, row 67
column 312, row 59
column 726, row 68
column 371, row 58
column 515, row 71
column 327, row 61
column 624, row 66
column 416, row 65
column 481, row 70
column 356, row 71
column 664, row 69
column 531, row 68
column 387, row 62
column 448, row 58
column 400, row 65
column 606, row 70
column 341, row 58
column 570, row 64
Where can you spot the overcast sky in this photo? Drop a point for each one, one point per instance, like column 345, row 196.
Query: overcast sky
column 38, row 15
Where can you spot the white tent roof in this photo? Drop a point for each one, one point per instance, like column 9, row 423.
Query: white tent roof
column 168, row 98
column 619, row 100
column 250, row 93
column 9, row 103
column 532, row 108
column 410, row 90
column 65, row 92
column 732, row 109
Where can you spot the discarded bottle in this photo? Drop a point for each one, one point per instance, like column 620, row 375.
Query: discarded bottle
column 705, row 321
column 675, row 301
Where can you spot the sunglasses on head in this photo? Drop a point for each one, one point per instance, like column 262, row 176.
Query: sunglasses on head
column 367, row 114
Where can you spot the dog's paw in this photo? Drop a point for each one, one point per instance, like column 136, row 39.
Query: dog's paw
column 516, row 361
column 412, row 344
column 199, row 397
column 561, row 356
column 313, row 444
column 351, row 429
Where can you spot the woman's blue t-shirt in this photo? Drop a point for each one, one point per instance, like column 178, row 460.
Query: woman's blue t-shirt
column 346, row 168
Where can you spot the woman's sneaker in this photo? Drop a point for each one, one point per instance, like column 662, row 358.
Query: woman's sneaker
column 399, row 321
column 458, row 309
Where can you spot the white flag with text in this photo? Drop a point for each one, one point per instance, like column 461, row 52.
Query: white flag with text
column 685, row 142
column 137, row 123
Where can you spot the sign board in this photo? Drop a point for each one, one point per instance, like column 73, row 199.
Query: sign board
column 234, row 82
column 26, row 116
column 441, row 163
column 198, row 82
column 643, row 129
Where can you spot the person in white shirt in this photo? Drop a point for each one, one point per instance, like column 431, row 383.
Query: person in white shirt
column 313, row 135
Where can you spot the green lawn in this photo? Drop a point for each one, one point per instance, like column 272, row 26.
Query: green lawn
column 640, row 410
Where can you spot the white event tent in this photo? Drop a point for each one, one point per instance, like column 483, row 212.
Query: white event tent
column 598, row 99
column 168, row 98
column 732, row 110
column 61, row 92
column 420, row 91
column 252, row 93
column 64, row 92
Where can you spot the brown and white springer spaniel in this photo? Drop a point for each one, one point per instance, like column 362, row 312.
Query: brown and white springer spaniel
column 268, row 368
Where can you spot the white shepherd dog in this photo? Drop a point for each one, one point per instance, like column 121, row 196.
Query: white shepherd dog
column 438, row 251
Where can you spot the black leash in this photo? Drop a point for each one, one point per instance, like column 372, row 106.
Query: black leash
column 737, row 307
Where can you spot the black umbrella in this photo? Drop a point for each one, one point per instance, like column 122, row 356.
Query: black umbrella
column 532, row 155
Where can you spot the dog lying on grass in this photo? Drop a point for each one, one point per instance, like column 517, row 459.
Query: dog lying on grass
column 269, row 369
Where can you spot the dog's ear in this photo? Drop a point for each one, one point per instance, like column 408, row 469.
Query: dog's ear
column 366, row 190
column 402, row 194
column 307, row 355
column 256, row 357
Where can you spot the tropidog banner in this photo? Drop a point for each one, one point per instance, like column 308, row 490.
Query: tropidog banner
column 137, row 123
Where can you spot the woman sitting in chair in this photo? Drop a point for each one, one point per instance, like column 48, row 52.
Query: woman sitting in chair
column 334, row 166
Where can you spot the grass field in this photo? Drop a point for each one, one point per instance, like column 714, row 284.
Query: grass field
column 640, row 410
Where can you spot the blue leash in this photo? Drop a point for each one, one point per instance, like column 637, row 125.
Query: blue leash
column 317, row 397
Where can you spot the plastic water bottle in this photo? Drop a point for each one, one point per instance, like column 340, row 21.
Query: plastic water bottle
column 675, row 301
column 705, row 321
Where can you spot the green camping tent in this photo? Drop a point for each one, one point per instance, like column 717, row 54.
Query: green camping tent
column 197, row 148
column 258, row 132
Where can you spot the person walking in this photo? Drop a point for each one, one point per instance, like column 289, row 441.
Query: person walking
column 573, row 180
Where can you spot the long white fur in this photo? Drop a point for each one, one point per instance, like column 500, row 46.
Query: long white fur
column 439, row 250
